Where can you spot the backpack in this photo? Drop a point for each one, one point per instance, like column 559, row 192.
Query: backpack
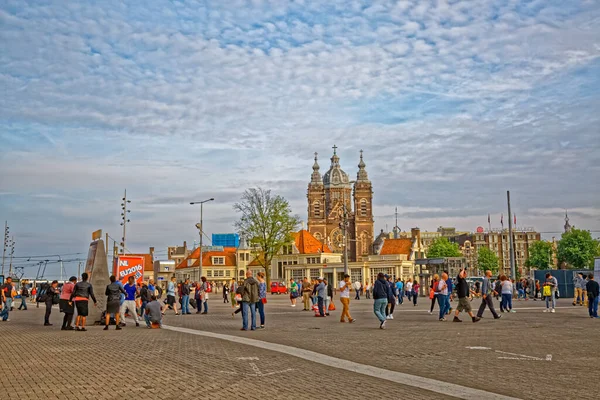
column 160, row 291
column 56, row 298
column 208, row 288
column 42, row 296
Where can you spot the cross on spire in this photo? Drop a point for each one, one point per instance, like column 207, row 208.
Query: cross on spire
column 334, row 149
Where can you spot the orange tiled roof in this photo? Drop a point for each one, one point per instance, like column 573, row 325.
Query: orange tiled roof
column 396, row 246
column 228, row 252
column 148, row 262
column 306, row 243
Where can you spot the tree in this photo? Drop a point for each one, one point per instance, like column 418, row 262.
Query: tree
column 540, row 255
column 267, row 222
column 577, row 248
column 487, row 259
column 441, row 247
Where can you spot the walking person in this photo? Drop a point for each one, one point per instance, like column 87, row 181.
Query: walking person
column 344, row 287
column 262, row 298
column 381, row 293
column 113, row 302
column 442, row 296
column 389, row 311
column 225, row 294
column 507, row 294
column 433, row 292
column 131, row 291
column 50, row 300
column 185, row 297
column 293, row 292
column 65, row 304
column 399, row 291
column 7, row 292
column 463, row 292
column 204, row 290
column 593, row 292
column 487, row 293
column 415, row 292
column 368, row 290
column 33, row 294
column 321, row 295
column 82, row 292
column 329, row 296
column 550, row 288
column 450, row 286
column 578, row 283
column 306, row 291
column 171, row 286
column 233, row 287
column 357, row 287
column 24, row 296
column 3, row 309
column 408, row 289
column 249, row 299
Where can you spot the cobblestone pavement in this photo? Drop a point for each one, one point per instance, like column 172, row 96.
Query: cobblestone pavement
column 528, row 354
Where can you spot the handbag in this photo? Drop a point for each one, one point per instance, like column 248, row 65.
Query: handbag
column 264, row 300
column 431, row 294
column 238, row 297
column 331, row 306
column 547, row 291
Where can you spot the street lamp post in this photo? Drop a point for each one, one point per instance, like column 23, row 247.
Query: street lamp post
column 345, row 230
column 199, row 226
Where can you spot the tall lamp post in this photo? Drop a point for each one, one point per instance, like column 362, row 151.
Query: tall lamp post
column 199, row 226
column 345, row 230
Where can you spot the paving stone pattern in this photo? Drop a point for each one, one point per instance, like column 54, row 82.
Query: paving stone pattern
column 44, row 362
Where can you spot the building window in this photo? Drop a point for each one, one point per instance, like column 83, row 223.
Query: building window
column 363, row 208
column 297, row 274
column 317, row 236
column 218, row 260
column 209, row 273
column 218, row 273
column 317, row 209
column 314, row 273
column 356, row 275
column 228, row 273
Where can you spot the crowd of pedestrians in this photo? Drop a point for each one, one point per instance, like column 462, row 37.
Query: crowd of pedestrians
column 143, row 301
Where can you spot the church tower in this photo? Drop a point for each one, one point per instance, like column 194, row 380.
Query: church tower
column 363, row 206
column 330, row 197
column 316, row 204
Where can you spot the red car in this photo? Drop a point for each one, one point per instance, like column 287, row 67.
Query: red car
column 278, row 287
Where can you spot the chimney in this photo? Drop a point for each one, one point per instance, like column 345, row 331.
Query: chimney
column 184, row 245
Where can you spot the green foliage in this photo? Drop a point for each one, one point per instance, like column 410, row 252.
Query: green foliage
column 540, row 255
column 267, row 222
column 441, row 247
column 577, row 248
column 487, row 259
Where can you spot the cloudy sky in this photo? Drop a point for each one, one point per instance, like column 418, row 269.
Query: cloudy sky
column 452, row 102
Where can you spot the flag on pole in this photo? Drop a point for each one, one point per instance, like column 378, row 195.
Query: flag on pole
column 515, row 219
column 502, row 220
column 489, row 220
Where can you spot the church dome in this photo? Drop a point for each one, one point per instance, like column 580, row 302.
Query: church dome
column 335, row 176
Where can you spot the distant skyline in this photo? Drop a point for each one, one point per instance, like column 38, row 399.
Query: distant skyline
column 453, row 103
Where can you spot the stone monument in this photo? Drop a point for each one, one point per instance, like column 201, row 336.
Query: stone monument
column 97, row 269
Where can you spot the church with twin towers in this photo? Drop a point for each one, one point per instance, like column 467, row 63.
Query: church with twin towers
column 332, row 194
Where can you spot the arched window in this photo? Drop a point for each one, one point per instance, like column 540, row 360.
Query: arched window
column 317, row 209
column 363, row 208
column 318, row 236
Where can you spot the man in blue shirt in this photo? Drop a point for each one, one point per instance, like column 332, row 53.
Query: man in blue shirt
column 450, row 285
column 129, row 303
column 400, row 291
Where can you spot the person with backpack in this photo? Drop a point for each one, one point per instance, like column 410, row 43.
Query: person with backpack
column 24, row 296
column 184, row 293
column 113, row 302
column 66, row 305
column 52, row 297
column 380, row 295
column 81, row 294
column 249, row 298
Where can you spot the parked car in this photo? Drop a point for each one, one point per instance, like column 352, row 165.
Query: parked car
column 278, row 287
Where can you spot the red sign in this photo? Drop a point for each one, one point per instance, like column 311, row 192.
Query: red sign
column 480, row 229
column 130, row 266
